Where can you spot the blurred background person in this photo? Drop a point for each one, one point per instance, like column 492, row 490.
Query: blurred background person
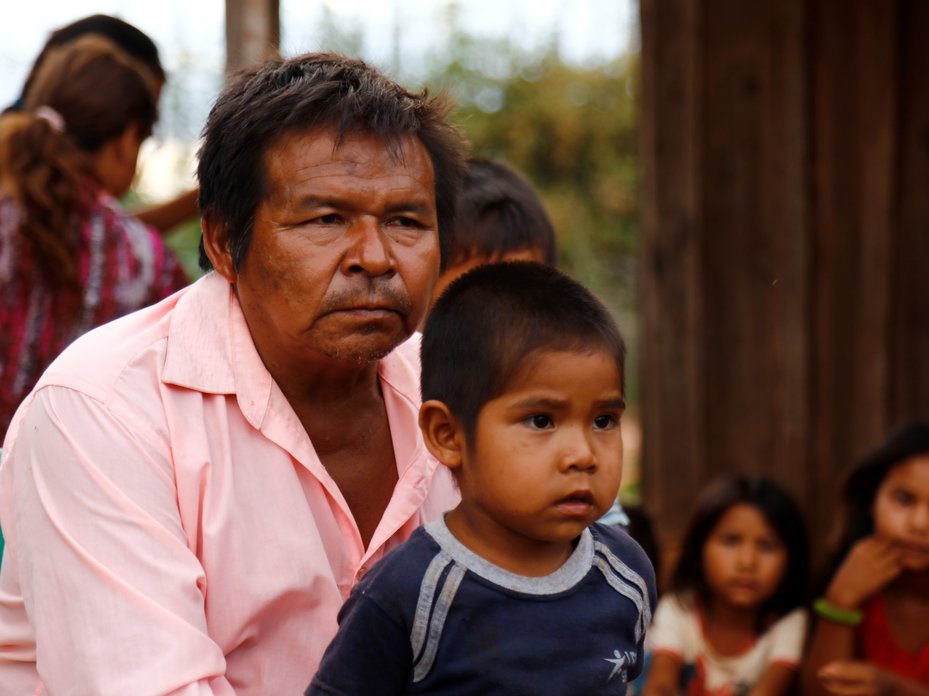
column 139, row 46
column 499, row 217
column 70, row 257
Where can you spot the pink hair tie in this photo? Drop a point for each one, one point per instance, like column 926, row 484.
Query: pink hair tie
column 54, row 119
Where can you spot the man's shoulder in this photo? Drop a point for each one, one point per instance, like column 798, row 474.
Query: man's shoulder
column 136, row 342
column 97, row 358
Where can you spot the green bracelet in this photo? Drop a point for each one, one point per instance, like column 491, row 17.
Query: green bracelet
column 828, row 610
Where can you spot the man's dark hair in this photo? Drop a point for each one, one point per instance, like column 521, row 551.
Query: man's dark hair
column 495, row 318
column 499, row 211
column 315, row 91
column 127, row 37
column 779, row 510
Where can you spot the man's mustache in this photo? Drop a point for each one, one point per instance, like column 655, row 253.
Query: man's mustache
column 374, row 297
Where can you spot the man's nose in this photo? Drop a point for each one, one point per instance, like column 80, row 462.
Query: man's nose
column 369, row 249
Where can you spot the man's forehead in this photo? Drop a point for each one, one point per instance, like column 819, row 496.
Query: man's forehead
column 349, row 147
column 319, row 159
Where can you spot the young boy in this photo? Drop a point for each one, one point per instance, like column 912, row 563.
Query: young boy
column 515, row 591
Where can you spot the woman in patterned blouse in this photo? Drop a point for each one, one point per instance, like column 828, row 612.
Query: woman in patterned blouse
column 70, row 257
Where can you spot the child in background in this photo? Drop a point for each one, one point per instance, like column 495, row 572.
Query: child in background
column 732, row 624
column 871, row 634
column 499, row 217
column 517, row 590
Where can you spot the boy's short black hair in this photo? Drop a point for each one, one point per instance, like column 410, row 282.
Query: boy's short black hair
column 499, row 212
column 496, row 317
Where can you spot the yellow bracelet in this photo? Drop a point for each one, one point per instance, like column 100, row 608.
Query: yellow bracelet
column 828, row 610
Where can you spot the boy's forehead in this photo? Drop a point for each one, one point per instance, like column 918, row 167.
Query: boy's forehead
column 536, row 366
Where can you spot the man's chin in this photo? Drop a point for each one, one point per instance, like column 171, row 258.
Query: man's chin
column 363, row 349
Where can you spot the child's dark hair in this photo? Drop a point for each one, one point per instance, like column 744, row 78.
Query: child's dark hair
column 856, row 517
column 493, row 319
column 498, row 212
column 779, row 510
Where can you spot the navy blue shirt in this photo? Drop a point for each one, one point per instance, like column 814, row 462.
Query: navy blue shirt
column 435, row 618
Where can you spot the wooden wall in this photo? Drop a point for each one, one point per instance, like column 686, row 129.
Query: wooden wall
column 785, row 250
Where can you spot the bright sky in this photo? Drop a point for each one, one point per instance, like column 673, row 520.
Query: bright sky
column 193, row 29
column 190, row 37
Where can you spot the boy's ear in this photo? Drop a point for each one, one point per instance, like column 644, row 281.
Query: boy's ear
column 443, row 435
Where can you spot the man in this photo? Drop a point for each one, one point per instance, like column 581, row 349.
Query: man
column 190, row 492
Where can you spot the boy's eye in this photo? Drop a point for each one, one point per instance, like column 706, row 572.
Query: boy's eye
column 902, row 497
column 605, row 421
column 539, row 421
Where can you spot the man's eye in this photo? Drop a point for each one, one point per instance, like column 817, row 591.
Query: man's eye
column 539, row 422
column 329, row 219
column 605, row 421
column 403, row 222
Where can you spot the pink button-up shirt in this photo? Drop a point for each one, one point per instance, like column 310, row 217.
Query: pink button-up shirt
column 169, row 526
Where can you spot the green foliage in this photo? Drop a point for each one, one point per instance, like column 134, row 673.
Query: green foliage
column 572, row 131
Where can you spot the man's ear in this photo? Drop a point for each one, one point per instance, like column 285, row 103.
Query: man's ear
column 217, row 247
column 443, row 434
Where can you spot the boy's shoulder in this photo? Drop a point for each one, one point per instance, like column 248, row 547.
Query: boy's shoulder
column 615, row 544
column 402, row 567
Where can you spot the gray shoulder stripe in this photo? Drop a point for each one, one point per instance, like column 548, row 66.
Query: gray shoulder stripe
column 427, row 591
column 628, row 591
column 628, row 574
column 437, row 624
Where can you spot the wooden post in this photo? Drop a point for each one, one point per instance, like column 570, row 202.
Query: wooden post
column 253, row 32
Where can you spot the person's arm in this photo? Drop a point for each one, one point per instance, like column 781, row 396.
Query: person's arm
column 870, row 565
column 864, row 679
column 166, row 216
column 664, row 673
column 111, row 586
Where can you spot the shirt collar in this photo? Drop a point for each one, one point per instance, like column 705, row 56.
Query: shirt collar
column 210, row 348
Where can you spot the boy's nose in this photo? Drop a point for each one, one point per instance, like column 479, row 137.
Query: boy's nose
column 577, row 453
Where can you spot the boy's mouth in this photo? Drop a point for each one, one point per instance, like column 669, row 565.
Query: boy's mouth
column 577, row 503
